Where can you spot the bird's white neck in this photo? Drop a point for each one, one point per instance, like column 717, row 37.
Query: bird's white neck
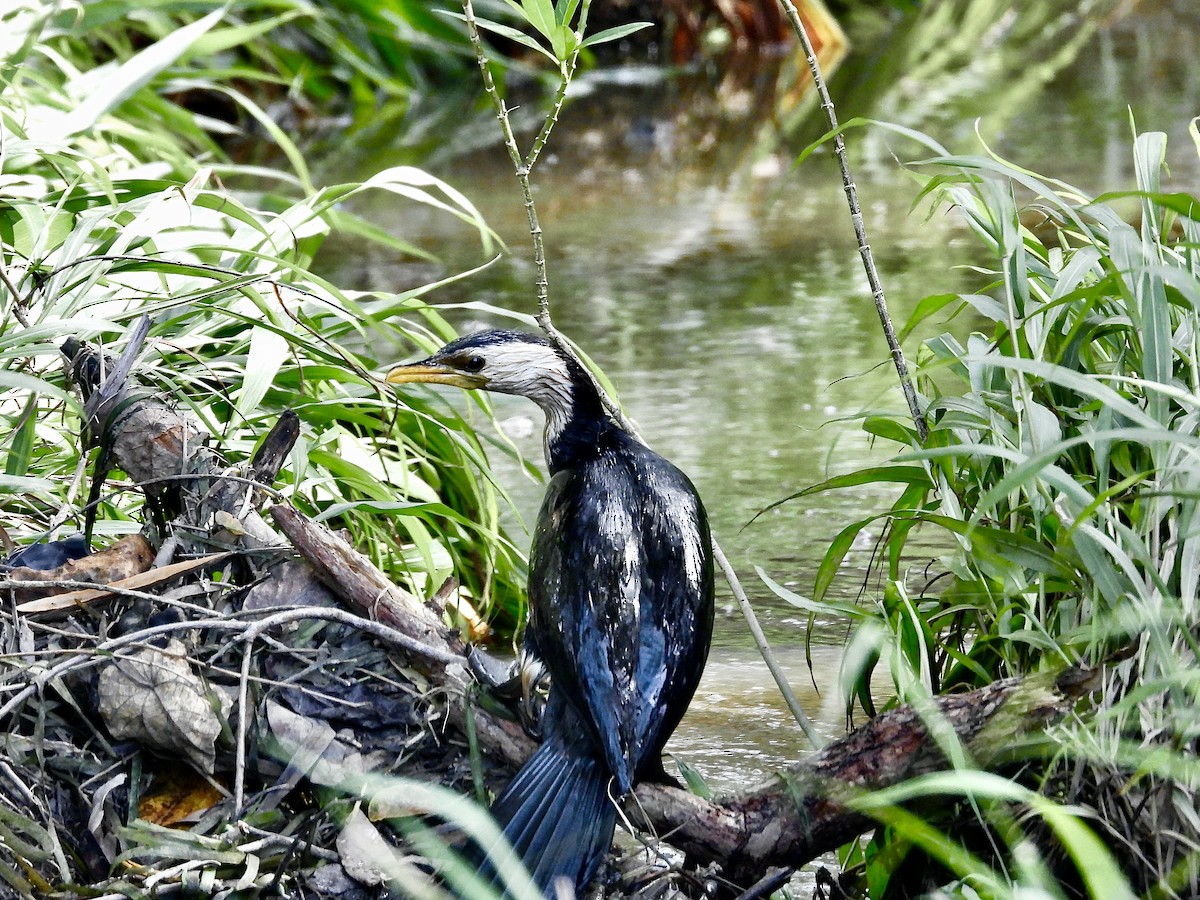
column 557, row 400
column 536, row 371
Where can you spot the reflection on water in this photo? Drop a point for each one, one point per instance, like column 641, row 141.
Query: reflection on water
column 738, row 730
column 722, row 293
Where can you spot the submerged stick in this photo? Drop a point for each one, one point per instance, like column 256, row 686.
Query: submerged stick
column 860, row 229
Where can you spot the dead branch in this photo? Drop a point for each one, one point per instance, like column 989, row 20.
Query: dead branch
column 353, row 577
column 166, row 453
column 807, row 810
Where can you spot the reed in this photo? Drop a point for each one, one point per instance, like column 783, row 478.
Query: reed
column 1060, row 474
column 117, row 202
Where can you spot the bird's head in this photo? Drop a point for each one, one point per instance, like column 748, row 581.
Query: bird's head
column 508, row 362
column 511, row 362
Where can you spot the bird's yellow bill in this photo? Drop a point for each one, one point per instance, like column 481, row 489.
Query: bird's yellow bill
column 434, row 374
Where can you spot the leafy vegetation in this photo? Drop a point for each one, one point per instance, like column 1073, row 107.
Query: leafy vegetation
column 1061, row 468
column 1061, row 465
column 343, row 54
column 119, row 200
column 107, row 217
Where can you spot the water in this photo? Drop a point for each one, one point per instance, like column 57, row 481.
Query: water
column 723, row 294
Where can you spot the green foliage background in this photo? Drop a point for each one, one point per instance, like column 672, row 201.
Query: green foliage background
column 1061, row 470
column 118, row 198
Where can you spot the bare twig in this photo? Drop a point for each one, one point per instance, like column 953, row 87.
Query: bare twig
column 250, row 630
column 270, row 838
column 860, row 230
column 100, row 591
column 256, row 629
column 523, row 168
column 243, row 725
column 764, row 648
column 249, row 633
column 768, row 884
column 17, row 309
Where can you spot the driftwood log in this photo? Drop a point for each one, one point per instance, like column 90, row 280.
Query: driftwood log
column 783, row 823
column 807, row 810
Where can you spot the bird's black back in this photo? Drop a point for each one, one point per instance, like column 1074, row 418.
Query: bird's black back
column 621, row 597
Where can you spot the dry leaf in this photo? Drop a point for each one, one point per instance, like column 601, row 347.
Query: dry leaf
column 369, row 859
column 128, row 556
column 229, row 522
column 313, row 751
column 154, row 698
column 134, row 582
column 464, row 616
column 178, row 793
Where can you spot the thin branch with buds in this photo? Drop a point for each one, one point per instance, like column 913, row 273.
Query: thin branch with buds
column 17, row 310
column 860, row 229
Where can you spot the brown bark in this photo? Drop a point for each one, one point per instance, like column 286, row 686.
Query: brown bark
column 129, row 556
column 355, row 578
column 796, row 816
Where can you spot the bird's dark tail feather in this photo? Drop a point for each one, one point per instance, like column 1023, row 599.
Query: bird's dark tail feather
column 557, row 815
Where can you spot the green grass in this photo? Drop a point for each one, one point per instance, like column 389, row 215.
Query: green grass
column 114, row 203
column 1062, row 475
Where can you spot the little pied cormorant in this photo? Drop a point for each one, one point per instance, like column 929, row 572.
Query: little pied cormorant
column 620, row 603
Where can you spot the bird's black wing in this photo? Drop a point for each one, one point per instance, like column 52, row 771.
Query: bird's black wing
column 621, row 599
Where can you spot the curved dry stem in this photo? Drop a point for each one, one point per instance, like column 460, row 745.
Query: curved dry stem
column 764, row 648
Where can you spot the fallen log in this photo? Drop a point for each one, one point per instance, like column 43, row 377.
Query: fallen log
column 353, row 577
column 806, row 811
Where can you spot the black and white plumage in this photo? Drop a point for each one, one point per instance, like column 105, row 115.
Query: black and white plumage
column 620, row 603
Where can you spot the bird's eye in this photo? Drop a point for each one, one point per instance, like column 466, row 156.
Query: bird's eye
column 474, row 364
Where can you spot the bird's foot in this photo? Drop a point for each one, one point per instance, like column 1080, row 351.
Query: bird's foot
column 517, row 685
